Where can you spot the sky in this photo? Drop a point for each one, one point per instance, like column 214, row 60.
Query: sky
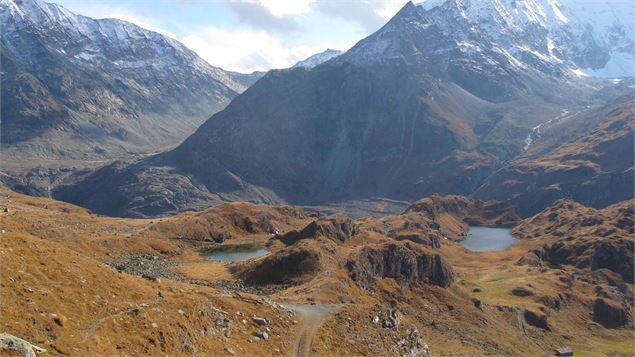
column 250, row 35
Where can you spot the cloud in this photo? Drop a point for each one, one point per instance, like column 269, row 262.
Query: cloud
column 245, row 50
column 283, row 8
column 143, row 24
column 282, row 15
column 258, row 16
column 371, row 14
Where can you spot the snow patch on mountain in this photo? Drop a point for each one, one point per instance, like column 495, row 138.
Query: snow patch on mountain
column 595, row 37
column 317, row 59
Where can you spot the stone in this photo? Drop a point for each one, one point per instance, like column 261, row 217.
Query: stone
column 60, row 320
column 230, row 351
column 564, row 351
column 18, row 345
column 262, row 334
column 392, row 319
column 260, row 321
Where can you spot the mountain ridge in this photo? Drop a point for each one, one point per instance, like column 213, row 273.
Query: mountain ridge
column 108, row 87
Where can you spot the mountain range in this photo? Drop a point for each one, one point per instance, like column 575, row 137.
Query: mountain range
column 459, row 182
column 75, row 88
column 439, row 100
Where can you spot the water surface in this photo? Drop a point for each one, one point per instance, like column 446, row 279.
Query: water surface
column 485, row 239
column 230, row 253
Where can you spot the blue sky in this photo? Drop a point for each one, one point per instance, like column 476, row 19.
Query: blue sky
column 248, row 35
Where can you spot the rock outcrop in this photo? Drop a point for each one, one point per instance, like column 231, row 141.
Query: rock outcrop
column 609, row 314
column 407, row 263
column 338, row 228
column 293, row 265
column 536, row 319
column 19, row 346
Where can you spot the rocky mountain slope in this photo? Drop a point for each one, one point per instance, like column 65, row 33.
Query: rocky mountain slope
column 594, row 168
column 433, row 102
column 76, row 88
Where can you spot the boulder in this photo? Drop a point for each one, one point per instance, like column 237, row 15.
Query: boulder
column 262, row 334
column 260, row 321
column 564, row 351
column 15, row 344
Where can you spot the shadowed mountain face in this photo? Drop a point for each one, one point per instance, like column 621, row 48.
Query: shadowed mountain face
column 426, row 104
column 78, row 88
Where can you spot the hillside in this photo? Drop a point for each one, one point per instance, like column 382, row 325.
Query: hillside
column 594, row 168
column 329, row 285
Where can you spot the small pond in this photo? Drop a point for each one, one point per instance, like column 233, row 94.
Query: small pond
column 485, row 239
column 234, row 253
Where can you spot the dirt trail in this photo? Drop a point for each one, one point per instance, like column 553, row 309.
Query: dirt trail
column 311, row 318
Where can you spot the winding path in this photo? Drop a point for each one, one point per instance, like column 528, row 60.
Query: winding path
column 311, row 318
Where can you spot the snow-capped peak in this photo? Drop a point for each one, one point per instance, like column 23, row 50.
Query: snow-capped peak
column 558, row 37
column 317, row 58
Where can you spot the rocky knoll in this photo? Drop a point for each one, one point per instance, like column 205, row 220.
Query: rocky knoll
column 585, row 237
column 407, row 263
column 339, row 228
column 471, row 211
column 306, row 252
column 231, row 220
column 326, row 245
column 294, row 265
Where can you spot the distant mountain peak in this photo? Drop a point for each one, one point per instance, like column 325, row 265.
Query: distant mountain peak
column 561, row 38
column 109, row 85
column 318, row 58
